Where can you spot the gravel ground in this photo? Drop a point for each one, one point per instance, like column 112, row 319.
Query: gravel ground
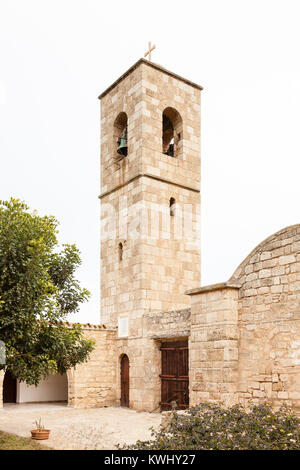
column 97, row 428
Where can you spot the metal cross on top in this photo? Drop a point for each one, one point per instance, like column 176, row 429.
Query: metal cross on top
column 150, row 49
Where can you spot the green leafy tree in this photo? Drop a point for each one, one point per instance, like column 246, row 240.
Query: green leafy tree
column 37, row 292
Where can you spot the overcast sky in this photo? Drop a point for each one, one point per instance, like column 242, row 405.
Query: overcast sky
column 57, row 56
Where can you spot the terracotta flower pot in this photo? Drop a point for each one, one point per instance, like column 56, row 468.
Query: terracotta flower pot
column 40, row 435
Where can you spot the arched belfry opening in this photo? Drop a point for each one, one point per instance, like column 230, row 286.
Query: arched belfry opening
column 172, row 133
column 121, row 137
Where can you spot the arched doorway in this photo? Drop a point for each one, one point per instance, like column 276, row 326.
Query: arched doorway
column 125, row 381
column 9, row 388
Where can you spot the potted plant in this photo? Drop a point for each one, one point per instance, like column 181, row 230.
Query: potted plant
column 40, row 432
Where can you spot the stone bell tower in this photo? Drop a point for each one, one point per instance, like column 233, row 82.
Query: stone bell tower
column 150, row 195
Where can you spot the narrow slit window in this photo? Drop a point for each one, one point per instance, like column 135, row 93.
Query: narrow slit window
column 172, row 207
column 120, row 251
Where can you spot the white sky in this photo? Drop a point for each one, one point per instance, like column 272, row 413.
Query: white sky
column 57, row 56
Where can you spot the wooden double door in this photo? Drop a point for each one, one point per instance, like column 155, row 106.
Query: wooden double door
column 174, row 375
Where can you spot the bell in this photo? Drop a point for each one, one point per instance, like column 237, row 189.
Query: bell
column 170, row 150
column 122, row 149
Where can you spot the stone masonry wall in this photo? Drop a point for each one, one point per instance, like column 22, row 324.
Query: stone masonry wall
column 214, row 344
column 269, row 321
column 168, row 325
column 245, row 334
column 145, row 356
column 157, row 267
column 93, row 384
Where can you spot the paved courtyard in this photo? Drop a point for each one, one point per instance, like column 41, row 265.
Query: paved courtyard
column 97, row 428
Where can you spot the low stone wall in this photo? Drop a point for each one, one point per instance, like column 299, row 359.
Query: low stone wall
column 93, row 384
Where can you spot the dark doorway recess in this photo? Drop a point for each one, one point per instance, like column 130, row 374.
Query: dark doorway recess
column 174, row 375
column 9, row 388
column 125, row 381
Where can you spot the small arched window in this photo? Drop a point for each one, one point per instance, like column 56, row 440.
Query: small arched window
column 172, row 133
column 172, row 207
column 121, row 137
column 120, row 251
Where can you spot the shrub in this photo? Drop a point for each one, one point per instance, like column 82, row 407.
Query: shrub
column 213, row 427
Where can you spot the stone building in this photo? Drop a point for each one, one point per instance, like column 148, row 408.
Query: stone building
column 163, row 338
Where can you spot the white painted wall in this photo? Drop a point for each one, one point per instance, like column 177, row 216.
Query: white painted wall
column 54, row 388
